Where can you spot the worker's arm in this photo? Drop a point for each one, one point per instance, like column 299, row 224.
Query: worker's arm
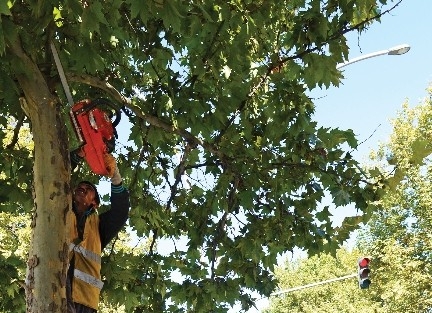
column 112, row 221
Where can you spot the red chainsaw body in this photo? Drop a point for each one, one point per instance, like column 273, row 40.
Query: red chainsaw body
column 94, row 129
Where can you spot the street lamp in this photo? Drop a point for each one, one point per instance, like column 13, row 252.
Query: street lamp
column 398, row 50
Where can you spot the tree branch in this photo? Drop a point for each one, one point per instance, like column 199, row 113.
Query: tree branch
column 152, row 120
column 101, row 84
column 219, row 232
column 16, row 131
column 180, row 171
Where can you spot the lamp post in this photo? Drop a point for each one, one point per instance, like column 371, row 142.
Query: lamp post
column 397, row 50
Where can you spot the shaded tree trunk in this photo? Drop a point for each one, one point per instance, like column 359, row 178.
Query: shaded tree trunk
column 48, row 255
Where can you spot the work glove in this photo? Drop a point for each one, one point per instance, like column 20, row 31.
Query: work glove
column 113, row 171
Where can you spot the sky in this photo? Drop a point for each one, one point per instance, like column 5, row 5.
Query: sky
column 373, row 90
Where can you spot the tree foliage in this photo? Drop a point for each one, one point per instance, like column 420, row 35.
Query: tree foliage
column 221, row 153
column 399, row 236
column 339, row 296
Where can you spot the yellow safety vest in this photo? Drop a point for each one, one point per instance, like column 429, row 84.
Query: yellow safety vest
column 86, row 283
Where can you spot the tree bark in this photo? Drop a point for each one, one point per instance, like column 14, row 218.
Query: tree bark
column 48, row 255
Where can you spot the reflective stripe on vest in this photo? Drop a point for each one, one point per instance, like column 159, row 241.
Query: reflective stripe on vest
column 88, row 279
column 85, row 253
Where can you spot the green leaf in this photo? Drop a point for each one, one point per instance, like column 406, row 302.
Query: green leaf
column 324, row 214
column 138, row 8
column 171, row 15
column 93, row 16
column 5, row 7
column 341, row 198
column 420, row 150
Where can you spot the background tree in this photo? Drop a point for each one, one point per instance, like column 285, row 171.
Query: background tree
column 397, row 236
column 14, row 222
column 214, row 93
column 340, row 296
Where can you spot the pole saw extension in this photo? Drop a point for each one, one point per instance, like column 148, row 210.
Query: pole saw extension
column 93, row 127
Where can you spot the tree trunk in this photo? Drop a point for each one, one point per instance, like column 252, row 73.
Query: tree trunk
column 48, row 255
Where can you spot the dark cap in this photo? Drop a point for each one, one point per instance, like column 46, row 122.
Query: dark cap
column 97, row 197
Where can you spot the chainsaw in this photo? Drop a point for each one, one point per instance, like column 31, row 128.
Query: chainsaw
column 95, row 130
column 93, row 126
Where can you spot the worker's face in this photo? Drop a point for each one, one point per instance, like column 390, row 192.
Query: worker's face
column 84, row 196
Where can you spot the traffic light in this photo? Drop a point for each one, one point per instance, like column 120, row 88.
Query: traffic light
column 363, row 272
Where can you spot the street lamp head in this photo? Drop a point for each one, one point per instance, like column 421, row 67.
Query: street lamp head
column 398, row 50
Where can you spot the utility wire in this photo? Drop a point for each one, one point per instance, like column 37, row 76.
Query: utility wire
column 312, row 285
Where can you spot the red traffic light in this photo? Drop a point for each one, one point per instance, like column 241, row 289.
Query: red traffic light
column 363, row 273
column 363, row 262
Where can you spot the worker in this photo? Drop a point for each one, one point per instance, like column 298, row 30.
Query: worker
column 89, row 235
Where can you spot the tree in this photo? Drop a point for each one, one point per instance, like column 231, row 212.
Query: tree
column 340, row 296
column 214, row 93
column 399, row 235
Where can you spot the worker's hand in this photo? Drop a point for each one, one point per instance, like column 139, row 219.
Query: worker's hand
column 80, row 152
column 111, row 166
column 77, row 154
